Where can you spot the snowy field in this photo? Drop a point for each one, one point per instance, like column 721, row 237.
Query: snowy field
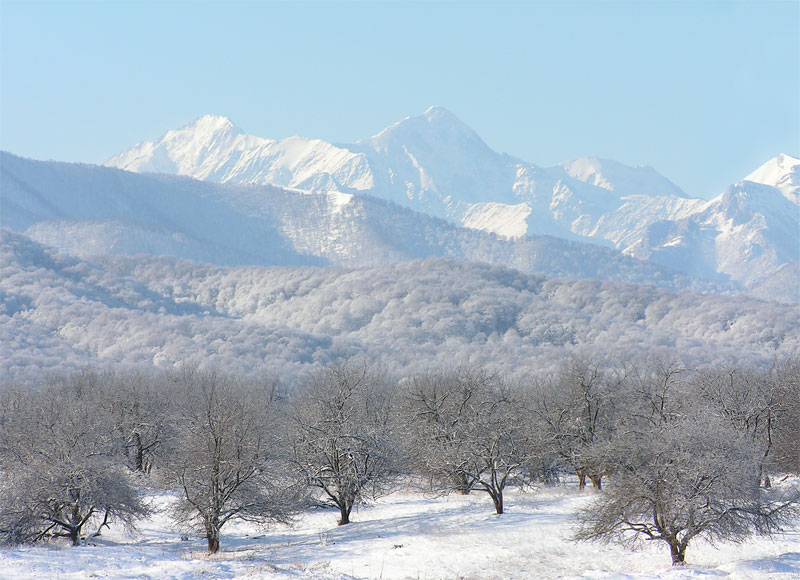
column 407, row 535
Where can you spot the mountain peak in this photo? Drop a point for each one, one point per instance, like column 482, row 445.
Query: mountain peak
column 183, row 150
column 440, row 117
column 435, row 127
column 774, row 169
column 781, row 172
column 623, row 179
column 436, row 113
column 211, row 124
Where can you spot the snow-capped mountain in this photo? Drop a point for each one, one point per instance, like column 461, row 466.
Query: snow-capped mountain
column 782, row 173
column 623, row 179
column 432, row 163
column 436, row 164
column 212, row 148
column 747, row 233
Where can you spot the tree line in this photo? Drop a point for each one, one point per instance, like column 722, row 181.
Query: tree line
column 675, row 453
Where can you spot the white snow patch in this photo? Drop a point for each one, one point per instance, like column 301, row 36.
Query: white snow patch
column 508, row 221
column 405, row 535
column 338, row 200
column 781, row 172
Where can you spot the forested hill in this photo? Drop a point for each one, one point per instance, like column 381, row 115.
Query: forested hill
column 86, row 210
column 61, row 313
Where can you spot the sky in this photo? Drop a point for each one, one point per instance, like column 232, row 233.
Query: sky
column 703, row 91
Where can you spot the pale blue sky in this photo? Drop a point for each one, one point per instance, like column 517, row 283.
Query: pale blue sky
column 703, row 91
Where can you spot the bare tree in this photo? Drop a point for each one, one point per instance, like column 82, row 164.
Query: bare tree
column 787, row 425
column 431, row 407
column 137, row 407
column 58, row 471
column 657, row 392
column 467, row 431
column 693, row 476
column 341, row 435
column 762, row 404
column 575, row 411
column 750, row 400
column 225, row 456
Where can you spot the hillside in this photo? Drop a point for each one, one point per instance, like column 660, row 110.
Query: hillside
column 60, row 312
column 87, row 210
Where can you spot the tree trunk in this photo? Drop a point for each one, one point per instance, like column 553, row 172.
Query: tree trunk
column 212, row 535
column 461, row 483
column 76, row 520
column 74, row 535
column 138, row 462
column 597, row 481
column 581, row 480
column 767, row 482
column 344, row 514
column 498, row 502
column 678, row 554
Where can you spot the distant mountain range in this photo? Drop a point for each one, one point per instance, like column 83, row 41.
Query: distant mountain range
column 435, row 164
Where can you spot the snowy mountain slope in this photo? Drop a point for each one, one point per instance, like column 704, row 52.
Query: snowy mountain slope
column 627, row 224
column 781, row 172
column 59, row 312
column 507, row 221
column 623, row 179
column 212, row 148
column 436, row 164
column 85, row 210
column 747, row 233
column 781, row 286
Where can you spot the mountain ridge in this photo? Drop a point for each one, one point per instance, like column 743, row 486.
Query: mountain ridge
column 436, row 164
column 239, row 224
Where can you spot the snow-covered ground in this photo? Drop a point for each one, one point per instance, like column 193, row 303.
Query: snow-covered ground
column 407, row 535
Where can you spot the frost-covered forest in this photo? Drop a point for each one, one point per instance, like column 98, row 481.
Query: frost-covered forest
column 677, row 456
column 60, row 313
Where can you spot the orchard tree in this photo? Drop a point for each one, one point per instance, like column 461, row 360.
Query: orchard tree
column 341, row 435
column 787, row 426
column 137, row 407
column 657, row 392
column 762, row 404
column 226, row 455
column 467, row 430
column 431, row 409
column 59, row 475
column 575, row 411
column 694, row 476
